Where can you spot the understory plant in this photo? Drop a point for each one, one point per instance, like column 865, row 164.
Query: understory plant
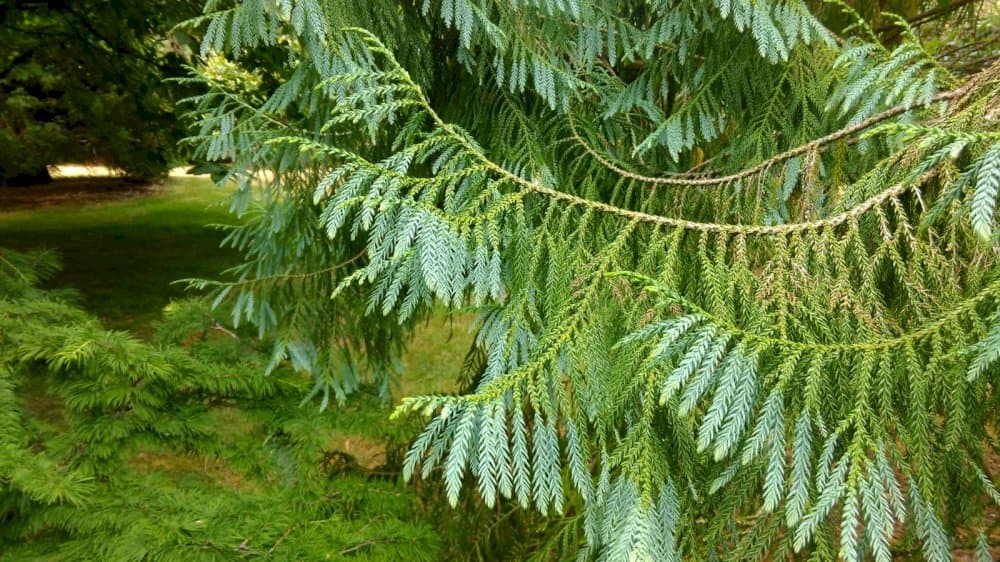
column 114, row 448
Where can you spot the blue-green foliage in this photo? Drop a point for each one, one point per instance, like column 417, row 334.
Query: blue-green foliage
column 781, row 340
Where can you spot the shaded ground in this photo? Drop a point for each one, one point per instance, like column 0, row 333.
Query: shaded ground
column 74, row 190
column 122, row 244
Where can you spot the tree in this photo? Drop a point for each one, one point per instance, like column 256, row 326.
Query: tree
column 84, row 82
column 736, row 275
column 113, row 448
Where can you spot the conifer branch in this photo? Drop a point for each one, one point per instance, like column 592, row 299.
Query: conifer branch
column 756, row 169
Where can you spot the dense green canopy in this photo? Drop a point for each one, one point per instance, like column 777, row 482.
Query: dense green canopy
column 84, row 82
column 736, row 272
column 733, row 263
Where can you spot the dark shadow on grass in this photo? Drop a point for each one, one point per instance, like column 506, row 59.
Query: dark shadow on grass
column 122, row 253
column 74, row 190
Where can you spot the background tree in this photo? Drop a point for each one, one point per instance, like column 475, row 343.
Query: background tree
column 84, row 82
column 736, row 274
column 114, row 448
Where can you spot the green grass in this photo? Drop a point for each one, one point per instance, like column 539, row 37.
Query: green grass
column 124, row 255
column 433, row 359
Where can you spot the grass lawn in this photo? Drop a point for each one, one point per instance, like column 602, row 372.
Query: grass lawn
column 123, row 254
column 122, row 251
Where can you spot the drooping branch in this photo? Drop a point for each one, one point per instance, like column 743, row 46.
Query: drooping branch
column 766, row 164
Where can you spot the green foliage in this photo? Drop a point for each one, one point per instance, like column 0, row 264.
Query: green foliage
column 83, row 82
column 914, row 74
column 116, row 449
column 780, row 343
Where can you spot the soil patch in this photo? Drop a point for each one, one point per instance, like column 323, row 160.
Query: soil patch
column 74, row 190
